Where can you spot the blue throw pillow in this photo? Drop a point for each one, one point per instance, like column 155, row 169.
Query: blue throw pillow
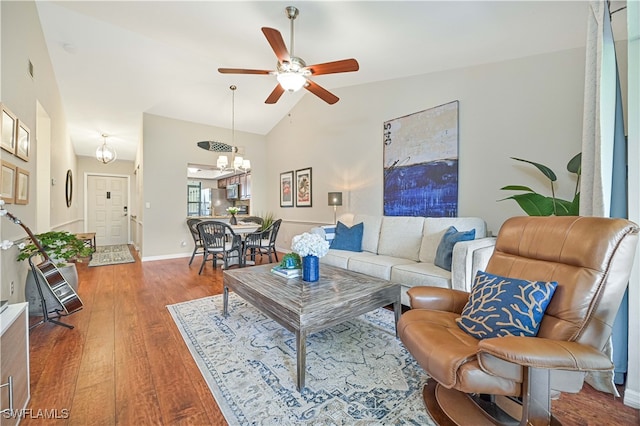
column 444, row 253
column 500, row 306
column 348, row 238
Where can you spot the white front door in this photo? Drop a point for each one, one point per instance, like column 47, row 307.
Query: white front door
column 107, row 205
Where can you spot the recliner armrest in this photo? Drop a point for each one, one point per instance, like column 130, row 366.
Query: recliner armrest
column 437, row 298
column 468, row 258
column 545, row 353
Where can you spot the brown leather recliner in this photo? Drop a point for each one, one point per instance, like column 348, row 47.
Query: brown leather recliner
column 512, row 377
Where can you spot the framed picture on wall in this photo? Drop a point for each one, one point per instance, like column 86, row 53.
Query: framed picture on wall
column 23, row 141
column 7, row 182
column 8, row 123
column 22, row 186
column 303, row 187
column 420, row 163
column 286, row 189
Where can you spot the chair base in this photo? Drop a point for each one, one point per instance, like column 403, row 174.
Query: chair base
column 450, row 407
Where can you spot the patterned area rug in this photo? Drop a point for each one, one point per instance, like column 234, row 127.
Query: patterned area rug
column 111, row 255
column 358, row 373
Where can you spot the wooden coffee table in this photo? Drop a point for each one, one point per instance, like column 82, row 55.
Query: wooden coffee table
column 304, row 308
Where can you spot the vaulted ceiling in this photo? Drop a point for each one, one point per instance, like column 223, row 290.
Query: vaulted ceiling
column 114, row 61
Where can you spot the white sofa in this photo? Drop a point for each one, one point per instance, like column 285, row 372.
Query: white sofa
column 402, row 249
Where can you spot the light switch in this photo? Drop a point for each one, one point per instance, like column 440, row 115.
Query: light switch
column 148, row 205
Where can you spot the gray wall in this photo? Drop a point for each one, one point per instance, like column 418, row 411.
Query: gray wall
column 529, row 108
column 168, row 146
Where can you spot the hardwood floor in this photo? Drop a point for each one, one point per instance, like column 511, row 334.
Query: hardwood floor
column 125, row 362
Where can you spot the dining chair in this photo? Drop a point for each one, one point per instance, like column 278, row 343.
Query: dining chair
column 253, row 219
column 197, row 241
column 262, row 242
column 219, row 241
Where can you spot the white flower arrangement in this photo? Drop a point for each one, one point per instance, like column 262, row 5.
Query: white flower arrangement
column 232, row 210
column 309, row 245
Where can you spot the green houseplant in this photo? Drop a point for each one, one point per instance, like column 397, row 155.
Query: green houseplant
column 535, row 204
column 61, row 246
column 267, row 221
column 291, row 261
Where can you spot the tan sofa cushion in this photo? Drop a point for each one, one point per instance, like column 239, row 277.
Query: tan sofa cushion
column 401, row 236
column 376, row 266
column 340, row 258
column 371, row 231
column 421, row 273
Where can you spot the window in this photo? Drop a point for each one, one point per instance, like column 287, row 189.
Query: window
column 194, row 190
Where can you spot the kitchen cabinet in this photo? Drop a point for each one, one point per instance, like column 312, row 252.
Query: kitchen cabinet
column 14, row 362
column 243, row 179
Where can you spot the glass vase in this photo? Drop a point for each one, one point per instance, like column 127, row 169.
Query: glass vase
column 310, row 268
column 233, row 220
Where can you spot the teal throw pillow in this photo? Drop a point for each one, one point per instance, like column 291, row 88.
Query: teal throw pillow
column 444, row 253
column 500, row 306
column 348, row 238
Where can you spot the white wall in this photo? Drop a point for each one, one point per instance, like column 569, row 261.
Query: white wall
column 168, row 146
column 22, row 41
column 529, row 108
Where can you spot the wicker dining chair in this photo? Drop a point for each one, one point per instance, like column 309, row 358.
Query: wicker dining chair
column 220, row 242
column 197, row 241
column 253, row 219
column 262, row 242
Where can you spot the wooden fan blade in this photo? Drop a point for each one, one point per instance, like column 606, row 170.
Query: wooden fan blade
column 321, row 92
column 275, row 95
column 277, row 44
column 242, row 71
column 345, row 65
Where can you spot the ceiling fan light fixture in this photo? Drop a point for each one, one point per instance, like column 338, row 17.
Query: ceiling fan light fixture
column 291, row 81
column 106, row 153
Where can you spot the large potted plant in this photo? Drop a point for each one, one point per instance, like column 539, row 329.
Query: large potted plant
column 535, row 204
column 64, row 249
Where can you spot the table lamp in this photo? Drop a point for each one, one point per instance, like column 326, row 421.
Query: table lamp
column 335, row 200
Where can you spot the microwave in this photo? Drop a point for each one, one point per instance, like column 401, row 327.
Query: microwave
column 232, row 191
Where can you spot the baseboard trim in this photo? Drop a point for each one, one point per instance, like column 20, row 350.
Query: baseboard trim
column 165, row 257
column 631, row 398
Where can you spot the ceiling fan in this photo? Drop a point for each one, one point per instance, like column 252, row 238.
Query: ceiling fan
column 292, row 72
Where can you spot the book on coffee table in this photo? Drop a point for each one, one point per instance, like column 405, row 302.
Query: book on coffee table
column 285, row 272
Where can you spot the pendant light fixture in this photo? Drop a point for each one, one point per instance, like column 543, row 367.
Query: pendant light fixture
column 106, row 153
column 237, row 162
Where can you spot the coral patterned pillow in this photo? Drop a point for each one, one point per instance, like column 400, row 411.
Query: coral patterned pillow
column 500, row 306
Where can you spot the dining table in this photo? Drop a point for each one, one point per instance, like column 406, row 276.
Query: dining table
column 242, row 229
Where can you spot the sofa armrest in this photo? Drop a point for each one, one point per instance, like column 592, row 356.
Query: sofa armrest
column 437, row 299
column 550, row 354
column 468, row 258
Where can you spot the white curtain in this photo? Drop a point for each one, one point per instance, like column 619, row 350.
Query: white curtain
column 598, row 130
column 599, row 113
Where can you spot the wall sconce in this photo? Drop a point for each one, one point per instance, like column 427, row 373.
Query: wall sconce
column 335, row 200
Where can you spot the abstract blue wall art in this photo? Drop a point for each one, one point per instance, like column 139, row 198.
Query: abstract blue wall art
column 421, row 163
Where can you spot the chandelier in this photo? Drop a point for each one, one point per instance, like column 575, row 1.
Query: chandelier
column 106, row 153
column 238, row 163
